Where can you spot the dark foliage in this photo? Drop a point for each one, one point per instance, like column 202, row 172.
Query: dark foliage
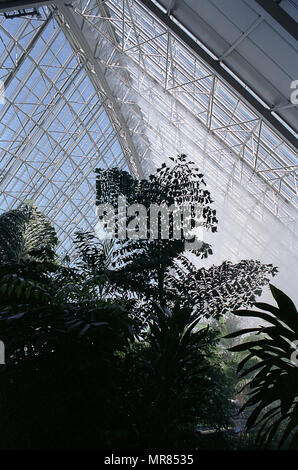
column 26, row 235
column 143, row 262
column 99, row 353
column 219, row 289
column 274, row 385
column 161, row 270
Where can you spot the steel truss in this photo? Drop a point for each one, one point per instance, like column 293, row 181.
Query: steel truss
column 104, row 84
column 254, row 155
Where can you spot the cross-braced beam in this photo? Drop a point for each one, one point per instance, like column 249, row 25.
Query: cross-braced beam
column 69, row 23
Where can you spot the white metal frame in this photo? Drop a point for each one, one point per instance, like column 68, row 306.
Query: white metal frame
column 148, row 96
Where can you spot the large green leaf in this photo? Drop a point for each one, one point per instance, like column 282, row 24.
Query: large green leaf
column 275, row 378
column 26, row 234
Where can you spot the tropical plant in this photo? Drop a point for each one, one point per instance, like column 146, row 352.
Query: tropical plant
column 161, row 270
column 142, row 263
column 174, row 379
column 273, row 395
column 60, row 342
column 26, row 235
column 41, row 300
column 215, row 291
column 63, row 388
column 27, row 259
column 82, row 320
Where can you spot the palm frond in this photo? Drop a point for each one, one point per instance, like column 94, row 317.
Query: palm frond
column 275, row 384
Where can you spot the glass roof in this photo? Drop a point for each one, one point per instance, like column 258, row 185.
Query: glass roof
column 54, row 130
column 93, row 84
column 181, row 74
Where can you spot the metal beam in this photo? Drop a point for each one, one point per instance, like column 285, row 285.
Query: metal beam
column 263, row 112
column 22, row 4
column 241, row 38
column 281, row 16
column 27, row 51
column 72, row 30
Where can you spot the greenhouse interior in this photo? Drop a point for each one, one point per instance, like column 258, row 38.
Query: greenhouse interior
column 148, row 236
